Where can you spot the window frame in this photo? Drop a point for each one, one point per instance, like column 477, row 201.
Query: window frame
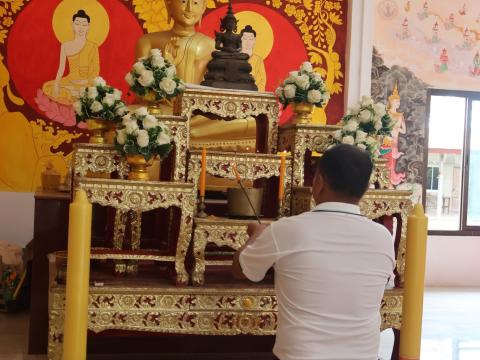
column 469, row 96
column 433, row 172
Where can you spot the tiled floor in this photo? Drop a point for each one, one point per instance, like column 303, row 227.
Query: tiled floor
column 451, row 329
column 451, row 326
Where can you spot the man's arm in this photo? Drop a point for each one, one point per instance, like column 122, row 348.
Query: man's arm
column 254, row 230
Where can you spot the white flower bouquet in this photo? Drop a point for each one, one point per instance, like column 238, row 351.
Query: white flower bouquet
column 154, row 77
column 303, row 86
column 365, row 125
column 140, row 133
column 99, row 101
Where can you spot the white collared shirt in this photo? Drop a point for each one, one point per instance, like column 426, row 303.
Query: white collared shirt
column 331, row 267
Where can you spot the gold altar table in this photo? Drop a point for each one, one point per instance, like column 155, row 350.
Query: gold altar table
column 149, row 304
column 375, row 204
column 104, row 158
column 229, row 105
column 250, row 167
column 97, row 158
column 298, row 139
column 138, row 196
column 218, row 231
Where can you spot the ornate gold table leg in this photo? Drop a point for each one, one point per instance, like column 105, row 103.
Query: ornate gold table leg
column 135, row 218
column 120, row 227
column 199, row 244
column 298, row 161
column 55, row 335
column 184, row 239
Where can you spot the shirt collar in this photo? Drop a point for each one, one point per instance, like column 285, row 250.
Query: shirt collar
column 338, row 206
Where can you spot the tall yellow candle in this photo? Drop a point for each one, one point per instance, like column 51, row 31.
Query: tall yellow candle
column 78, row 272
column 412, row 311
column 203, row 173
column 283, row 156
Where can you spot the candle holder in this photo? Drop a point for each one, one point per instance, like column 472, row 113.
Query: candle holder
column 201, row 208
column 280, row 207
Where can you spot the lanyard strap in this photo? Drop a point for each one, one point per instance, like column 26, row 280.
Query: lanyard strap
column 338, row 212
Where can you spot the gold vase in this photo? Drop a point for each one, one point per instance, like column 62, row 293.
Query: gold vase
column 303, row 113
column 157, row 107
column 97, row 128
column 110, row 133
column 138, row 167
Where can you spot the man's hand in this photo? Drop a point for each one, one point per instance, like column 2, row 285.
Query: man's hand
column 254, row 230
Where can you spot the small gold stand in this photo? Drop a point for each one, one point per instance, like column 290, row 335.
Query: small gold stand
column 280, row 207
column 201, row 208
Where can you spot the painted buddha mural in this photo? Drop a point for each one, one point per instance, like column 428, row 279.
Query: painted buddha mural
column 191, row 51
column 249, row 38
column 83, row 63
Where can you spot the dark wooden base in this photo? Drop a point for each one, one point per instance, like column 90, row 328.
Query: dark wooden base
column 221, row 84
column 135, row 345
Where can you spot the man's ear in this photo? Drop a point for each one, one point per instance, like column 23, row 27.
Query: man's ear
column 318, row 184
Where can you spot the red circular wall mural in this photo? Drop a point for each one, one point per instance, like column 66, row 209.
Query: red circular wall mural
column 33, row 50
column 288, row 50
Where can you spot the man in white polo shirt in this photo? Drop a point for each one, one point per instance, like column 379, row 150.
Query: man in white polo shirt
column 331, row 266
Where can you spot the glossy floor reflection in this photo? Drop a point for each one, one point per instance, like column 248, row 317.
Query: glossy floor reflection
column 451, row 330
column 451, row 326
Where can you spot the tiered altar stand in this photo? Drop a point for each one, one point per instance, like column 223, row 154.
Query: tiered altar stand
column 202, row 298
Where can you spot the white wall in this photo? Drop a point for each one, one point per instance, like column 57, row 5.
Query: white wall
column 16, row 217
column 453, row 261
column 358, row 65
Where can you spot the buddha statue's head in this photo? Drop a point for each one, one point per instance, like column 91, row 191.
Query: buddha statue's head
column 80, row 23
column 249, row 37
column 186, row 12
column 229, row 21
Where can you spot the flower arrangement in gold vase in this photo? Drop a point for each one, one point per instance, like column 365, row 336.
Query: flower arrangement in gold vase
column 305, row 89
column 366, row 125
column 155, row 80
column 100, row 106
column 141, row 137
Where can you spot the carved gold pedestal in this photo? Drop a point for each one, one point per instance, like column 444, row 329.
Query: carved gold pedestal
column 218, row 231
column 223, row 309
column 250, row 166
column 302, row 137
column 375, row 204
column 97, row 158
column 143, row 196
column 229, row 104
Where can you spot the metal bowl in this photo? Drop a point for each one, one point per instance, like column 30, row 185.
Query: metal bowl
column 238, row 205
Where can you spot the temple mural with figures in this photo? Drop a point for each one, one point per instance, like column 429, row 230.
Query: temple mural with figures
column 42, row 72
column 423, row 44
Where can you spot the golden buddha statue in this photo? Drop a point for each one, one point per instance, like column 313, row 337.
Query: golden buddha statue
column 190, row 52
column 83, row 63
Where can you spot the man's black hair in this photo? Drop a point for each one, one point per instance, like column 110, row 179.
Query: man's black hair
column 248, row 29
column 347, row 169
column 81, row 14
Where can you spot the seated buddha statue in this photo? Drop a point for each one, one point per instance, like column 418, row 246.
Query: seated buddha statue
column 83, row 63
column 191, row 51
column 229, row 67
